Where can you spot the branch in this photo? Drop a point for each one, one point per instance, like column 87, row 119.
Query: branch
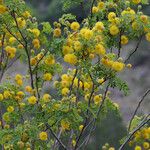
column 136, row 48
column 138, row 106
column 55, row 136
column 133, row 132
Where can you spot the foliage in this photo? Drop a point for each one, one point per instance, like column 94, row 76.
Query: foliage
column 79, row 62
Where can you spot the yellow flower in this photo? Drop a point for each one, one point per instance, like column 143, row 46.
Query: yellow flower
column 118, row 66
column 21, row 22
column 136, row 1
column 111, row 148
column 97, row 99
column 33, row 61
column 18, row 77
column 148, row 36
column 144, row 18
column 57, row 32
column 94, row 9
column 101, row 5
column 20, row 94
column 101, row 80
column 111, row 16
column 32, row 100
column 10, row 109
column 88, row 34
column 114, row 30
column 47, row 76
column 129, row 65
column 138, row 148
column 1, row 97
column 36, row 43
column 135, row 25
column 75, row 26
column 12, row 40
column 7, row 94
column 65, row 124
column 6, row 117
column 99, row 26
column 50, row 60
column 146, row 145
column 77, row 46
column 46, row 98
column 26, row 14
column 11, row 51
column 100, row 49
column 81, row 127
column 28, row 89
column 3, row 9
column 70, row 58
column 67, row 50
column 20, row 46
column 64, row 91
column 43, row 136
column 36, row 32
column 124, row 40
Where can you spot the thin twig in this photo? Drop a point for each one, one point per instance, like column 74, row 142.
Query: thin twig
column 138, row 106
column 136, row 48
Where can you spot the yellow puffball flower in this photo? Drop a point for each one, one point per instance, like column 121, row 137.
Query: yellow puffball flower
column 67, row 50
column 12, row 40
column 6, row 117
column 20, row 46
column 99, row 26
column 1, row 97
column 11, row 51
column 7, row 94
column 3, row 9
column 47, row 76
column 46, row 98
column 88, row 34
column 21, row 22
column 100, row 49
column 65, row 124
column 28, row 89
column 138, row 148
column 101, row 5
column 129, row 65
column 20, row 94
column 114, row 30
column 75, row 26
column 81, row 127
column 27, row 14
column 32, row 100
column 70, row 58
column 144, row 18
column 33, row 61
column 50, row 60
column 111, row 16
column 97, row 99
column 135, row 26
column 19, row 82
column 18, row 77
column 57, row 32
column 10, row 109
column 65, row 91
column 146, row 145
column 148, row 36
column 77, row 46
column 94, row 9
column 136, row 1
column 118, row 66
column 124, row 40
column 36, row 43
column 43, row 136
column 36, row 32
column 101, row 81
